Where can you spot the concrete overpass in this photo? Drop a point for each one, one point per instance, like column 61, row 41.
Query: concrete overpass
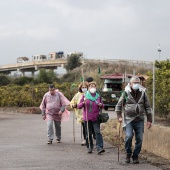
column 32, row 66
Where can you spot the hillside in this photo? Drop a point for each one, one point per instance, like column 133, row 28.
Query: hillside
column 92, row 69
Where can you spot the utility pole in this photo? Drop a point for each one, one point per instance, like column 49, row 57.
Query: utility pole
column 159, row 51
column 153, row 97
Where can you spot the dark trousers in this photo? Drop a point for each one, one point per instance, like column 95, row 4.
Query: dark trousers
column 89, row 131
column 84, row 131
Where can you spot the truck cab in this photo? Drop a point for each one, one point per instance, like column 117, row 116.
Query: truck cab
column 113, row 86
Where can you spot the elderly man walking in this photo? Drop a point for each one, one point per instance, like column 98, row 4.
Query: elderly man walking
column 52, row 106
column 135, row 102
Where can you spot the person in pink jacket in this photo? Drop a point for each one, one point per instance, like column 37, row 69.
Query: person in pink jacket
column 52, row 106
column 91, row 103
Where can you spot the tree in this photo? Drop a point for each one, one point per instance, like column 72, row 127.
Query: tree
column 72, row 62
column 42, row 76
column 162, row 88
column 46, row 76
column 23, row 80
column 4, row 80
column 51, row 76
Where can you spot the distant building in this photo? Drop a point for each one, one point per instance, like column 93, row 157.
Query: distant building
column 56, row 55
column 22, row 59
column 39, row 57
column 80, row 54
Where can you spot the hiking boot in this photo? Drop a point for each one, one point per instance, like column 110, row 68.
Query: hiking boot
column 58, row 140
column 128, row 156
column 89, row 150
column 83, row 143
column 101, row 150
column 135, row 159
column 49, row 142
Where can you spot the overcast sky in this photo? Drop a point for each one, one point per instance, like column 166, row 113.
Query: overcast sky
column 114, row 29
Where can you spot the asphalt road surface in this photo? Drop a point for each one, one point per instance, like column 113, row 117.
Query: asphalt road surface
column 23, row 146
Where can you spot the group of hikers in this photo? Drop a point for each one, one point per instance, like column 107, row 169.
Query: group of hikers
column 87, row 103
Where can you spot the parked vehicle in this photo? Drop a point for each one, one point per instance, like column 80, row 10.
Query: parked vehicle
column 113, row 86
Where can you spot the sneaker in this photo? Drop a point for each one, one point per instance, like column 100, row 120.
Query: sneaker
column 83, row 143
column 58, row 140
column 89, row 150
column 49, row 142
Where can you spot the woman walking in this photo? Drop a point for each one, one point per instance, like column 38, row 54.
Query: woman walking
column 82, row 88
column 91, row 104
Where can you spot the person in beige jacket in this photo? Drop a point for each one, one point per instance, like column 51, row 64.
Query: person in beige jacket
column 82, row 88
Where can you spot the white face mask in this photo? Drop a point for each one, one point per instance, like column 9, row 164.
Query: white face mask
column 92, row 90
column 135, row 86
column 84, row 90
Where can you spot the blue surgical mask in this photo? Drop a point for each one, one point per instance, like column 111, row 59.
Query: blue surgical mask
column 84, row 90
column 135, row 86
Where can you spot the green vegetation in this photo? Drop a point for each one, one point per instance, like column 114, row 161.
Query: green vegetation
column 72, row 62
column 4, row 80
column 27, row 91
column 162, row 88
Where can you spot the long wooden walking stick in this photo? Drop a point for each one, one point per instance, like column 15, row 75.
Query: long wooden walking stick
column 87, row 123
column 74, row 126
column 118, row 147
column 120, row 127
column 81, row 130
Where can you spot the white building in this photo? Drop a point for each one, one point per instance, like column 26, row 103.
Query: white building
column 22, row 59
column 56, row 55
column 39, row 57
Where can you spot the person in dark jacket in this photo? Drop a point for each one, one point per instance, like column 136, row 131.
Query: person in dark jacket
column 135, row 102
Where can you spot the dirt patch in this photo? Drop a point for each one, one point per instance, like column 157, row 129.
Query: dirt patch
column 156, row 160
column 27, row 110
column 162, row 121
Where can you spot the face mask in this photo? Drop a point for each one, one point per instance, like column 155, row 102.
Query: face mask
column 92, row 90
column 84, row 90
column 135, row 86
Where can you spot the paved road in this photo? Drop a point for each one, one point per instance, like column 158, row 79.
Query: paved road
column 23, row 147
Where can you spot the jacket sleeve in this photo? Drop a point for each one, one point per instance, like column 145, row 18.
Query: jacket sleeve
column 81, row 104
column 147, row 108
column 118, row 107
column 64, row 101
column 43, row 105
column 73, row 101
column 101, row 103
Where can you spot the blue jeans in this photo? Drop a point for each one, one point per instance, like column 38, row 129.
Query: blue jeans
column 99, row 138
column 132, row 128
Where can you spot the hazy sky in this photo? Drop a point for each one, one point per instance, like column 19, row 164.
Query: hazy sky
column 114, row 29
